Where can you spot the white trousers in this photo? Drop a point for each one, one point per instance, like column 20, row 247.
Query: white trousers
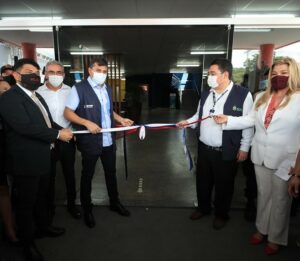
column 273, row 205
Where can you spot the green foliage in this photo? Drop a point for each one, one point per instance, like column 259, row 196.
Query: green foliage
column 237, row 75
column 250, row 63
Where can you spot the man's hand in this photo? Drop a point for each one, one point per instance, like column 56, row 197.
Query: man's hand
column 293, row 184
column 182, row 124
column 220, row 119
column 242, row 156
column 65, row 135
column 92, row 127
column 126, row 122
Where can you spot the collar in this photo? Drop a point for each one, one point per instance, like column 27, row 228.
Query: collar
column 227, row 89
column 45, row 88
column 94, row 84
column 29, row 93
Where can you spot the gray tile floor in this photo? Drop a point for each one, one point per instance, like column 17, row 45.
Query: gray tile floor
column 159, row 228
column 159, row 162
column 158, row 234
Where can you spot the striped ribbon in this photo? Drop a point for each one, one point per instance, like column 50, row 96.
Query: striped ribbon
column 142, row 134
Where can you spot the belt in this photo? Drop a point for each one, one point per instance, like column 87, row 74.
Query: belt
column 220, row 149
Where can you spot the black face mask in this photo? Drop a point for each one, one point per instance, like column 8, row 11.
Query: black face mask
column 30, row 81
column 10, row 79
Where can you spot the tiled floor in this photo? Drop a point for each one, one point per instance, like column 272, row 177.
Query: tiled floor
column 159, row 227
column 159, row 162
column 158, row 234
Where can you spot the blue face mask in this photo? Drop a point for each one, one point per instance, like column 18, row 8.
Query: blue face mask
column 263, row 85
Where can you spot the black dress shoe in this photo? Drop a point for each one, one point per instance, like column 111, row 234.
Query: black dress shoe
column 13, row 243
column 17, row 243
column 74, row 211
column 118, row 207
column 89, row 219
column 250, row 214
column 31, row 253
column 197, row 214
column 50, row 231
column 219, row 223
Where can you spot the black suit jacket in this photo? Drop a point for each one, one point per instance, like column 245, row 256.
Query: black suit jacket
column 3, row 180
column 28, row 137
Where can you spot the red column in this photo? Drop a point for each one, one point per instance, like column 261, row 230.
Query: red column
column 266, row 55
column 29, row 51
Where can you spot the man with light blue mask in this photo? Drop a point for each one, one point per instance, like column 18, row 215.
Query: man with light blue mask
column 263, row 84
column 219, row 151
column 90, row 107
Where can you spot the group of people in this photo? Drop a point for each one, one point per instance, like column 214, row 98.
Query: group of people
column 270, row 126
column 36, row 133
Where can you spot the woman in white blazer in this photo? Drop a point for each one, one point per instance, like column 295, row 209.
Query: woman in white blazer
column 276, row 117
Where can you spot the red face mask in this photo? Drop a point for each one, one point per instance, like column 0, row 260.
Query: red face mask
column 279, row 82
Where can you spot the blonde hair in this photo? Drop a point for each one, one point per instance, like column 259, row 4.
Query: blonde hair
column 293, row 82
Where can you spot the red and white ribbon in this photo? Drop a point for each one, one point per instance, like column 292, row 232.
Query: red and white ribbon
column 150, row 126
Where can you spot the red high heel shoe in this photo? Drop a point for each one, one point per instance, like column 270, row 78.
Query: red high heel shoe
column 271, row 249
column 256, row 239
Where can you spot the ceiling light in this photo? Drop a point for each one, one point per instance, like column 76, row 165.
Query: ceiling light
column 87, row 53
column 263, row 15
column 31, row 29
column 188, row 65
column 67, row 65
column 7, row 28
column 208, row 52
column 40, row 29
column 31, row 18
column 252, row 30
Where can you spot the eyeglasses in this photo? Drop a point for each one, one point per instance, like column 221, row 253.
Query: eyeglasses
column 60, row 73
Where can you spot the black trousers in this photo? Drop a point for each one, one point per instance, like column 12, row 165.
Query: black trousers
column 30, row 205
column 108, row 159
column 249, row 172
column 65, row 153
column 214, row 172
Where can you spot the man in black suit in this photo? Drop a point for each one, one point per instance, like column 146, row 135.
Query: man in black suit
column 30, row 133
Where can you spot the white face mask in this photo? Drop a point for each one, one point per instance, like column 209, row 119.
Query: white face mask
column 99, row 78
column 212, row 81
column 55, row 80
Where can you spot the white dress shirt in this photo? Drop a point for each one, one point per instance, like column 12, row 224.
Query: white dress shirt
column 29, row 93
column 56, row 101
column 210, row 132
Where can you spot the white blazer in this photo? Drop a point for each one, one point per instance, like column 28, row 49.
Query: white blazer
column 270, row 147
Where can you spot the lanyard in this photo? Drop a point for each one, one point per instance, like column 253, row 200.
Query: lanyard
column 212, row 110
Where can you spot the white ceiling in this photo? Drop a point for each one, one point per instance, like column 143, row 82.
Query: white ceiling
column 112, row 9
column 74, row 9
column 210, row 11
